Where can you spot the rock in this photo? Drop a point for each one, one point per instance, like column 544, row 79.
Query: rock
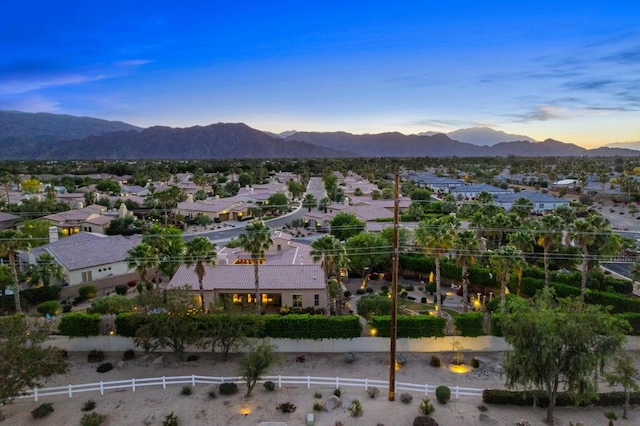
column 332, row 403
column 149, row 420
column 486, row 419
column 120, row 365
column 401, row 359
column 483, row 360
column 349, row 357
column 158, row 361
column 424, row 421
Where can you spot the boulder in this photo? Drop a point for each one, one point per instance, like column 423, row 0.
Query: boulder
column 158, row 361
column 332, row 403
column 349, row 357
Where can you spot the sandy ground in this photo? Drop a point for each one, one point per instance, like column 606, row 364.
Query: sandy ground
column 149, row 405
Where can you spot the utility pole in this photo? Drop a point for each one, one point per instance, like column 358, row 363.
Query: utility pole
column 394, row 289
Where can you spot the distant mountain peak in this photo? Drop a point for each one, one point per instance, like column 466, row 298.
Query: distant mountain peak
column 486, row 136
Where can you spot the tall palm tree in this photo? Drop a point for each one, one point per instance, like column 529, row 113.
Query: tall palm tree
column 330, row 251
column 168, row 246
column 10, row 242
column 549, row 232
column 499, row 224
column 256, row 240
column 436, row 237
column 522, row 208
column 309, row 201
column 505, row 260
column 200, row 251
column 583, row 234
column 142, row 258
column 46, row 268
column 466, row 246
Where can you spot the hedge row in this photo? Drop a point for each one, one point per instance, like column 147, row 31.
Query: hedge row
column 31, row 296
column 412, row 327
column 80, row 324
column 527, row 398
column 470, row 324
column 633, row 318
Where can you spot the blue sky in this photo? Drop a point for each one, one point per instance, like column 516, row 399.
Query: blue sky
column 567, row 70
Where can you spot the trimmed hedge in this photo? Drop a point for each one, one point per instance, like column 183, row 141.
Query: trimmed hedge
column 127, row 323
column 618, row 302
column 496, row 325
column 419, row 263
column 79, row 324
column 316, row 327
column 526, row 398
column 412, row 327
column 51, row 307
column 37, row 295
column 469, row 324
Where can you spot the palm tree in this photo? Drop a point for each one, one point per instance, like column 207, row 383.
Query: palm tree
column 466, row 246
column 436, row 237
column 256, row 240
column 142, row 258
column 549, row 231
column 522, row 208
column 10, row 242
column 505, row 260
column 200, row 251
column 498, row 224
column 309, row 201
column 323, row 205
column 330, row 251
column 46, row 268
column 168, row 247
column 582, row 234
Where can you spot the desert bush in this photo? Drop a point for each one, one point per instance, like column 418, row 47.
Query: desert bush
column 103, row 368
column 349, row 357
column 406, row 398
column 443, row 394
column 317, row 406
column 424, row 421
column 192, row 358
column 186, row 390
column 89, row 405
column 170, row 420
column 93, row 419
column 483, row 408
column 373, row 392
column 95, row 356
column 474, row 363
column 426, row 407
column 87, row 291
column 269, row 385
column 355, row 408
column 42, row 410
column 435, row 361
column 122, row 289
column 111, row 304
column 228, row 388
column 360, row 291
column 128, row 355
column 286, row 407
column 337, row 392
column 317, row 395
column 51, row 307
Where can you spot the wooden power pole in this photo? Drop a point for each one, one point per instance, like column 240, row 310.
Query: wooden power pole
column 394, row 289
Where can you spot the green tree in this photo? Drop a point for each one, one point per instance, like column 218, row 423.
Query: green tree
column 31, row 186
column 330, row 251
column 256, row 363
column 23, row 360
column 309, row 201
column 323, row 204
column 11, row 242
column 559, row 346
column 38, row 230
column 345, row 225
column 142, row 258
column 278, row 202
column 229, row 329
column 466, row 247
column 404, row 235
column 436, row 237
column 168, row 247
column 45, row 269
column 549, row 232
column 506, row 260
column 256, row 240
column 5, row 279
column 624, row 373
column 295, row 188
column 582, row 233
column 200, row 251
column 368, row 250
column 522, row 208
column 108, row 186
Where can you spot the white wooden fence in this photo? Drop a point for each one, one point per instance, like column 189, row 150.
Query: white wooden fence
column 193, row 380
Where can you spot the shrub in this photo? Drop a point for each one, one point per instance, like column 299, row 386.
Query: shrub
column 88, row 291
column 317, row 406
column 373, row 392
column 306, row 326
column 349, row 357
column 93, row 419
column 186, row 390
column 474, row 363
column 470, row 324
column 269, row 385
column 103, row 368
column 122, row 289
column 426, row 407
column 443, row 394
column 212, row 393
column 228, row 388
column 483, row 408
column 132, row 283
column 89, row 405
column 170, row 420
column 37, row 295
column 337, row 392
column 286, row 407
column 79, row 324
column 406, row 398
column 424, row 421
column 192, row 358
column 111, row 304
column 95, row 356
column 410, row 326
column 435, row 361
column 360, row 291
column 66, row 309
column 52, row 307
column 42, row 410
column 423, row 300
column 128, row 355
column 355, row 408
column 347, row 294
column 317, row 395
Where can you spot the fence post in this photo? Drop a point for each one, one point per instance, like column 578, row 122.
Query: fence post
column 308, row 382
column 337, row 382
column 133, row 384
column 426, row 389
column 221, row 379
column 164, row 382
column 35, row 394
column 193, row 380
column 366, row 384
column 279, row 381
column 457, row 391
column 70, row 392
column 101, row 388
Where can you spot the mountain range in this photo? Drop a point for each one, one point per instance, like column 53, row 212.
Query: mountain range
column 28, row 136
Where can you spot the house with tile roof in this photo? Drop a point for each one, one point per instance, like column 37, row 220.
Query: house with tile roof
column 92, row 218
column 87, row 257
column 469, row 192
column 220, row 209
column 8, row 220
column 541, row 202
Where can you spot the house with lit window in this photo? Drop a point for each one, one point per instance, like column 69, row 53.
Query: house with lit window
column 287, row 275
column 87, row 257
column 92, row 218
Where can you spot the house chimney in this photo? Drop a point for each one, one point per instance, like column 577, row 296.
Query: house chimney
column 53, row 234
column 189, row 198
column 80, row 205
column 222, row 259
